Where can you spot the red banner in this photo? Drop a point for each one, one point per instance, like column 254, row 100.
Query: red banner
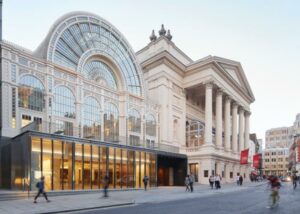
column 256, row 160
column 244, row 156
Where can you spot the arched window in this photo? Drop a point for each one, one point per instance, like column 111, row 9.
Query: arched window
column 64, row 102
column 111, row 122
column 91, row 118
column 31, row 93
column 99, row 72
column 134, row 121
column 150, row 125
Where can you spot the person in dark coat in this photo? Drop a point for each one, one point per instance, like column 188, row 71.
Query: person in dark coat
column 41, row 189
column 241, row 180
column 106, row 184
column 145, row 180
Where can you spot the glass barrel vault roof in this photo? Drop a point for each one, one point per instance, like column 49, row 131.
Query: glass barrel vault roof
column 81, row 37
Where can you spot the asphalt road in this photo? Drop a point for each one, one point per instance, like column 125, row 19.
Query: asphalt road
column 252, row 201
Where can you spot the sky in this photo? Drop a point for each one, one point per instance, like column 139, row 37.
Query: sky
column 263, row 35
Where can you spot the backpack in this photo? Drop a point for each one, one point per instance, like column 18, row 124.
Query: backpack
column 37, row 185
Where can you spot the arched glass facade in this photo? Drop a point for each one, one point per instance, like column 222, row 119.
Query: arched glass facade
column 111, row 122
column 99, row 72
column 134, row 121
column 64, row 102
column 31, row 93
column 91, row 118
column 150, row 125
column 81, row 37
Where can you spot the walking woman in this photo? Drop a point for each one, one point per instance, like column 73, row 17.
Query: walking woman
column 187, row 183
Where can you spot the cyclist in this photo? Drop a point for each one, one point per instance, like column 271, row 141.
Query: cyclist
column 275, row 185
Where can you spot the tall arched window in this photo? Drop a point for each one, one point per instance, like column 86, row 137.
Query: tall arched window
column 111, row 122
column 150, row 125
column 91, row 118
column 64, row 102
column 31, row 93
column 134, row 121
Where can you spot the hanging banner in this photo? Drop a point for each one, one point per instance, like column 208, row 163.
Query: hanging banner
column 244, row 157
column 256, row 160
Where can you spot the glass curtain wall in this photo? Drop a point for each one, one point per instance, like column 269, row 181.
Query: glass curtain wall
column 118, row 168
column 103, row 164
column 137, row 169
column 111, row 167
column 124, row 168
column 71, row 165
column 47, row 163
column 57, row 164
column 87, row 167
column 67, row 173
column 78, row 166
column 36, row 167
column 95, row 167
column 131, row 169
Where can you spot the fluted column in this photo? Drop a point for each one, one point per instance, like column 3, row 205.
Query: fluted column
column 247, row 129
column 241, row 129
column 227, row 123
column 219, row 118
column 208, row 113
column 234, row 128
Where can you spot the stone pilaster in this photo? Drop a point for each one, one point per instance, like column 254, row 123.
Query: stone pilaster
column 219, row 138
column 208, row 113
column 247, row 128
column 227, row 123
column 234, row 128
column 241, row 129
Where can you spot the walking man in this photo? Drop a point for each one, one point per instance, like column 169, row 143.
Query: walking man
column 192, row 180
column 41, row 189
column 241, row 180
column 187, row 183
column 237, row 180
column 106, row 184
column 145, row 180
column 211, row 181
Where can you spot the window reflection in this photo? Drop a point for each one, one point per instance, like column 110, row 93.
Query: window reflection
column 47, row 163
column 87, row 166
column 31, row 93
column 134, row 121
column 111, row 123
column 78, row 166
column 57, row 165
column 91, row 118
column 150, row 125
column 64, row 102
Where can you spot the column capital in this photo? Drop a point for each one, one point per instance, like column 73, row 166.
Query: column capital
column 209, row 84
column 220, row 92
column 228, row 98
column 247, row 113
column 241, row 110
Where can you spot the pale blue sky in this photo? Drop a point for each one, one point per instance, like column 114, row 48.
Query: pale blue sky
column 263, row 35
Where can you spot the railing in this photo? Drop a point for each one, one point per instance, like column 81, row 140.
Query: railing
column 68, row 130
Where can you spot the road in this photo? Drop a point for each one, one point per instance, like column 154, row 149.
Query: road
column 254, row 200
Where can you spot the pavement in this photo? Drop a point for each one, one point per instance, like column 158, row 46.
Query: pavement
column 94, row 200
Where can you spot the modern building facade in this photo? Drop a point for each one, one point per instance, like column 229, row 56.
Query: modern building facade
column 276, row 161
column 278, row 137
column 84, row 104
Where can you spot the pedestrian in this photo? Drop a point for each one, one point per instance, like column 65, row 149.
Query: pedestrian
column 211, row 181
column 294, row 178
column 106, row 184
column 237, row 178
column 187, row 183
column 241, row 180
column 41, row 189
column 145, row 180
column 192, row 180
column 217, row 181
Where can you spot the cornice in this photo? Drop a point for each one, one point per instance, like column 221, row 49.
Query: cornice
column 166, row 58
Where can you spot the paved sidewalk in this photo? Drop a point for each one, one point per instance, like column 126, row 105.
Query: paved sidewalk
column 94, row 200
